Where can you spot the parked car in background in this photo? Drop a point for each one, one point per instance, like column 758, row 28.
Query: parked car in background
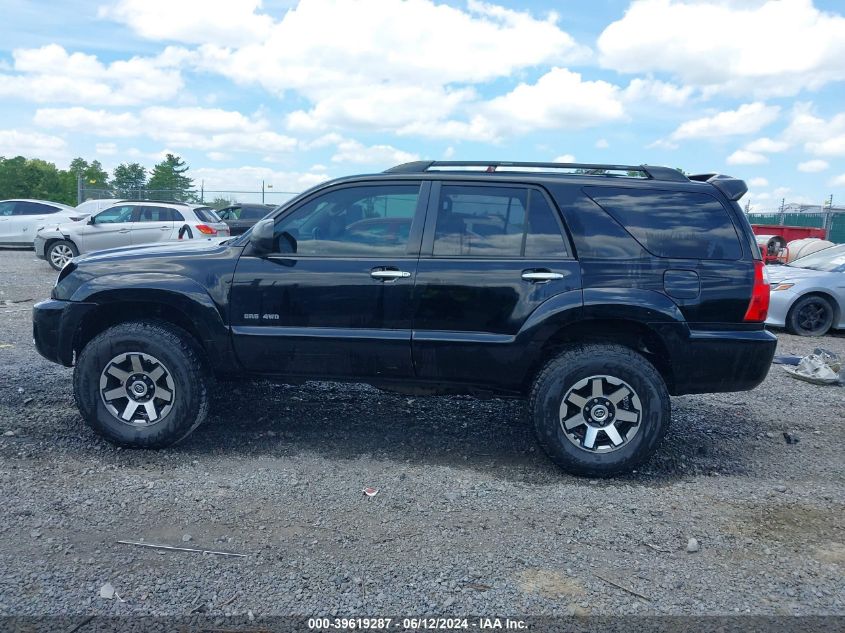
column 808, row 295
column 126, row 224
column 20, row 219
column 90, row 207
column 241, row 217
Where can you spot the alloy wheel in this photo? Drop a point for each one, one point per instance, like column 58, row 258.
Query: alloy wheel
column 60, row 255
column 600, row 414
column 137, row 388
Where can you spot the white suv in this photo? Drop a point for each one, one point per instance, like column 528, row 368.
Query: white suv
column 20, row 219
column 126, row 224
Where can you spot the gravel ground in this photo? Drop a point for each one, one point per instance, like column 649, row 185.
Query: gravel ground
column 470, row 517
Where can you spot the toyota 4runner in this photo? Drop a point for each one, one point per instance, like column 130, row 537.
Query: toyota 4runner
column 592, row 291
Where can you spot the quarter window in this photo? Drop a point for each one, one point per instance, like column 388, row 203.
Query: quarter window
column 496, row 222
column 678, row 224
column 369, row 220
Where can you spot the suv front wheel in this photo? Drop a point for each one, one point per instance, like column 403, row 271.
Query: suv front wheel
column 142, row 384
column 599, row 410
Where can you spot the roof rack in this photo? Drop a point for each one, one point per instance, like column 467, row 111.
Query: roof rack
column 590, row 169
column 156, row 202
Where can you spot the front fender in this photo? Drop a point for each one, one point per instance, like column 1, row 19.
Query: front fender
column 183, row 294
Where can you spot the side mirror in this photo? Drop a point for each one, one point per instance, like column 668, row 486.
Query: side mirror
column 91, row 220
column 261, row 237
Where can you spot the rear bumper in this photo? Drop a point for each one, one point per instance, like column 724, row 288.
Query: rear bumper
column 54, row 326
column 720, row 361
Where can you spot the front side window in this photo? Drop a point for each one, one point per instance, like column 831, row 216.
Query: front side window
column 6, row 209
column 511, row 222
column 353, row 221
column 115, row 215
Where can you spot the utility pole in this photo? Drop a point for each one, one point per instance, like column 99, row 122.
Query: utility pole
column 262, row 192
column 202, row 191
column 78, row 188
column 780, row 215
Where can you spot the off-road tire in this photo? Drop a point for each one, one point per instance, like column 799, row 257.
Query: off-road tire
column 577, row 363
column 176, row 350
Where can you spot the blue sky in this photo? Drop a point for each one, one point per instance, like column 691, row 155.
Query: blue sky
column 293, row 93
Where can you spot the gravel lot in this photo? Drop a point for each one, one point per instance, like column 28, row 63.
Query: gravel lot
column 470, row 517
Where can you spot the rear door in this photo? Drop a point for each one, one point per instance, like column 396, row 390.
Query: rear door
column 332, row 300
column 26, row 219
column 152, row 224
column 110, row 228
column 491, row 255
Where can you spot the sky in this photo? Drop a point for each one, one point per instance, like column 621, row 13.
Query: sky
column 295, row 92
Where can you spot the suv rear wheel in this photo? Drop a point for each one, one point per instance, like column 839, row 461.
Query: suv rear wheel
column 599, row 410
column 142, row 384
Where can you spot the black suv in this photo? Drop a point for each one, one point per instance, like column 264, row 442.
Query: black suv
column 592, row 291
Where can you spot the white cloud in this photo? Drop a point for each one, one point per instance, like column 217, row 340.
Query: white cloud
column 758, row 182
column 602, row 144
column 654, row 90
column 767, row 145
column 565, row 158
column 250, row 177
column 839, row 181
column 106, row 149
column 52, row 75
column 744, row 157
column 747, row 119
column 208, row 129
column 662, row 143
column 813, row 166
column 193, row 21
column 351, row 151
column 32, row 145
column 819, row 136
column 762, row 48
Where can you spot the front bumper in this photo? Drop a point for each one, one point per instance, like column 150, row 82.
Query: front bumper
column 54, row 328
column 720, row 361
column 39, row 243
column 779, row 305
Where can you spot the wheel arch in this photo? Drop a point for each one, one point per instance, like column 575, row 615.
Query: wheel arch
column 818, row 292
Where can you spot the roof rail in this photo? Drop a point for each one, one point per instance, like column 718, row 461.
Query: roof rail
column 592, row 169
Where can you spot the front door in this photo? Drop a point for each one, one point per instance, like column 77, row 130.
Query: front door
column 110, row 228
column 334, row 299
column 7, row 208
column 492, row 254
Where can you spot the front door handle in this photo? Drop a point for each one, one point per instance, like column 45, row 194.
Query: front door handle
column 389, row 274
column 123, row 231
column 540, row 276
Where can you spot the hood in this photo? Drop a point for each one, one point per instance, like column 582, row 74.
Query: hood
column 779, row 273
column 157, row 249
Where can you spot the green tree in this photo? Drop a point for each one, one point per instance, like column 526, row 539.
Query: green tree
column 169, row 180
column 128, row 179
column 220, row 203
column 35, row 178
column 89, row 175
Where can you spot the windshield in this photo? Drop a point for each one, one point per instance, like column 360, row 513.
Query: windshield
column 830, row 260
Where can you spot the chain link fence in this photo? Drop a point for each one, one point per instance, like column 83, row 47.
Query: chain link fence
column 214, row 198
column 830, row 218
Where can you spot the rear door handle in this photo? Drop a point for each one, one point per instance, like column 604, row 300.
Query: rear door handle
column 540, row 276
column 389, row 274
column 123, row 231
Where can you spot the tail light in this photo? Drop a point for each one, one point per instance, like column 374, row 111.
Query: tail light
column 758, row 307
column 207, row 230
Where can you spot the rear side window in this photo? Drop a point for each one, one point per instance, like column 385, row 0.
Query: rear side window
column 253, row 213
column 158, row 214
column 207, row 214
column 33, row 208
column 477, row 221
column 678, row 224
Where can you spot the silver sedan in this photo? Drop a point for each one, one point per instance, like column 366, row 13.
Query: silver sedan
column 808, row 295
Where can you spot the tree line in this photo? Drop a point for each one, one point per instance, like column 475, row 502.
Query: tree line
column 35, row 178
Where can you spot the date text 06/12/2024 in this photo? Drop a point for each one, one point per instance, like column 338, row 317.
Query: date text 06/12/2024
column 421, row 623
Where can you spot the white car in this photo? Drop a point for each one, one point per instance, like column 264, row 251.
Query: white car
column 20, row 219
column 128, row 224
column 808, row 294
